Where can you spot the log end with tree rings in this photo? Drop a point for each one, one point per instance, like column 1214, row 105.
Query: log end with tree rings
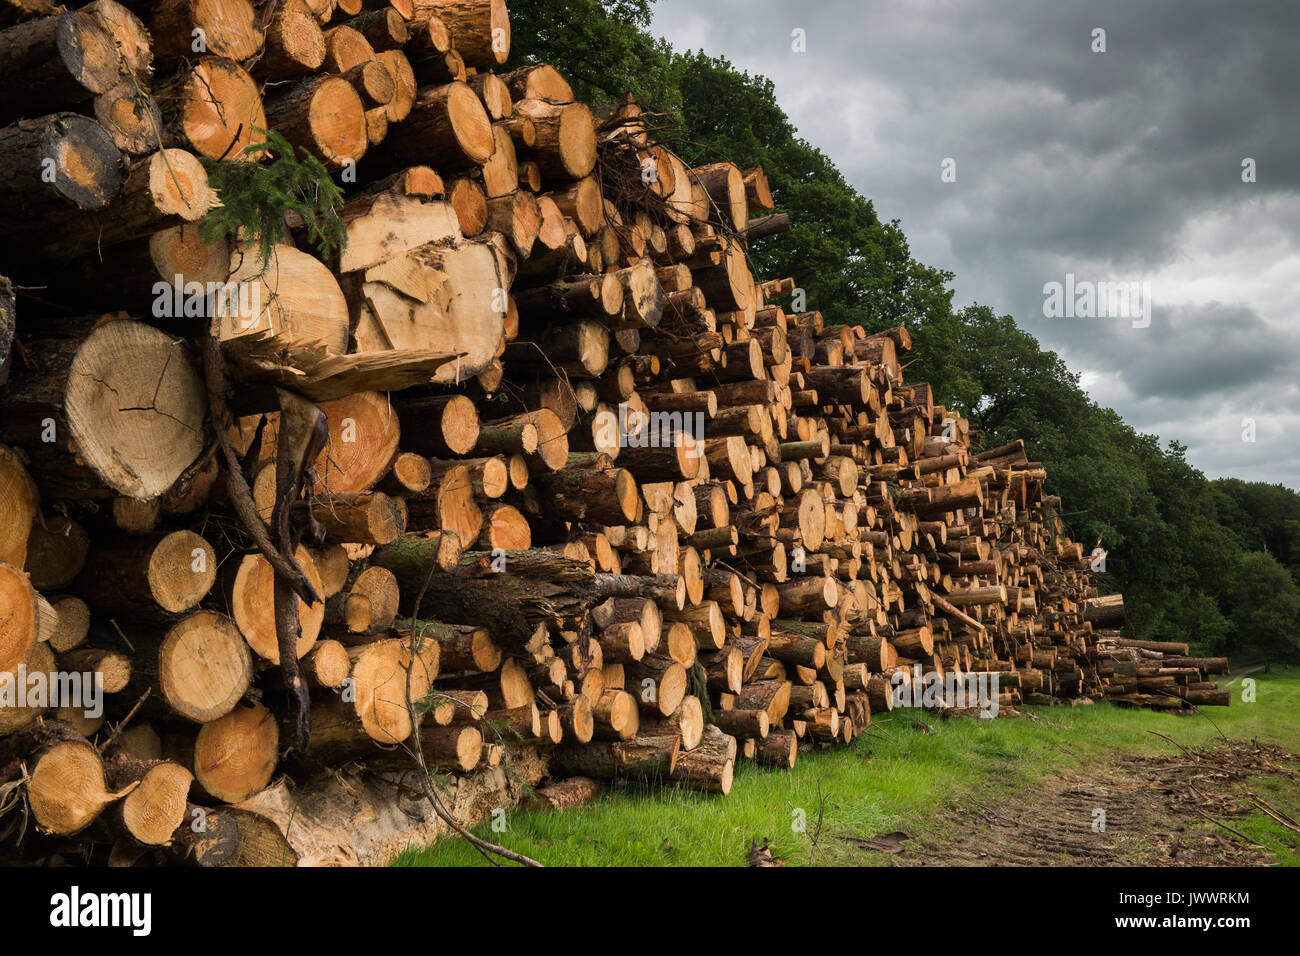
column 383, row 673
column 459, row 425
column 235, row 755
column 689, row 719
column 458, row 748
column 25, row 715
column 469, row 122
column 178, row 184
column 506, row 529
column 135, row 407
column 88, row 52
column 221, row 109
column 576, row 140
column 363, row 437
column 132, row 120
column 337, row 119
column 204, row 666
column 499, row 30
column 252, row 602
column 565, row 144
column 404, row 85
column 293, row 298
column 67, row 790
column 182, row 569
column 18, row 617
column 19, row 501
column 229, row 27
column 73, row 623
column 86, row 163
column 470, row 203
column 295, row 41
column 328, row 664
column 182, row 250
column 157, row 805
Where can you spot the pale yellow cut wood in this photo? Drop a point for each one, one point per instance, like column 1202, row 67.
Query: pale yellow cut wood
column 293, row 296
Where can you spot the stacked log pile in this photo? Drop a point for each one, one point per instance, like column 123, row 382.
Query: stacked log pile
column 534, row 460
column 1152, row 673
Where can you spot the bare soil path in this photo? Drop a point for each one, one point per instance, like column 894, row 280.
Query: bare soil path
column 1173, row 810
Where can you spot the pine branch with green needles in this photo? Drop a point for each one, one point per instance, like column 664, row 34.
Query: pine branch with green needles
column 256, row 195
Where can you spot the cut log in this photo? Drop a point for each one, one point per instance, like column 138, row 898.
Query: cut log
column 462, row 647
column 743, row 723
column 779, row 749
column 325, row 116
column 129, row 400
column 57, row 164
column 643, row 758
column 565, row 145
column 156, row 803
column 363, row 437
column 19, row 500
column 371, row 603
column 404, row 85
column 687, row 720
column 149, row 575
column 19, row 617
column 253, row 608
column 539, row 82
column 131, row 117
column 214, row 109
column 383, row 673
column 710, row 766
column 446, row 121
column 616, row 715
column 447, row 504
column 369, row 518
column 295, row 43
column 227, row 28
column 53, row 63
column 481, row 28
column 659, row 683
column 235, row 755
column 416, row 555
column 67, row 790
column 292, row 300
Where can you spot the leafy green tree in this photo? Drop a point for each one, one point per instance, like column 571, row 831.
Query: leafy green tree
column 1263, row 602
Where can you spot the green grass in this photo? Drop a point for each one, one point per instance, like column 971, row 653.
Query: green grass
column 895, row 777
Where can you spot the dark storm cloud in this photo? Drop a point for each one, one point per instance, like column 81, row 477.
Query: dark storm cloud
column 1186, row 352
column 1123, row 165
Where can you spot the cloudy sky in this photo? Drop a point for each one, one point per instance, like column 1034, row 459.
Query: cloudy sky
column 1122, row 165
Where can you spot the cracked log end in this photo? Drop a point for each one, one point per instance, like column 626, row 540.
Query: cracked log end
column 135, row 406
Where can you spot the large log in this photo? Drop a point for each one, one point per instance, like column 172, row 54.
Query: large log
column 565, row 147
column 235, row 755
column 642, row 758
column 214, row 109
column 226, row 28
column 53, row 63
column 325, row 116
column 446, row 121
column 203, row 666
column 119, row 404
column 56, row 164
column 481, row 28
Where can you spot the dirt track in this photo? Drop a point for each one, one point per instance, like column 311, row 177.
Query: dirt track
column 1169, row 810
